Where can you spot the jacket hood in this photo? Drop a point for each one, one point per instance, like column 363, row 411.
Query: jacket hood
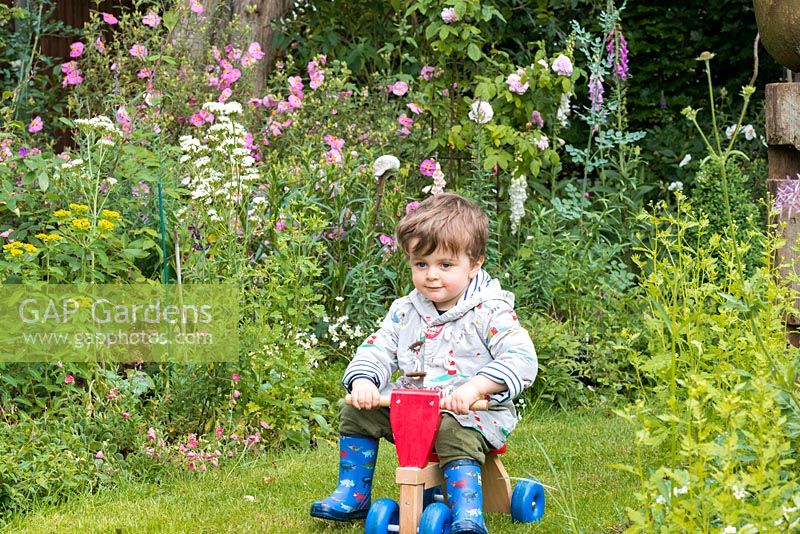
column 483, row 288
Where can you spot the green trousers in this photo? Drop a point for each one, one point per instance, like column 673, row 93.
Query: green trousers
column 453, row 442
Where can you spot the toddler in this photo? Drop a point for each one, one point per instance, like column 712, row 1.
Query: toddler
column 457, row 332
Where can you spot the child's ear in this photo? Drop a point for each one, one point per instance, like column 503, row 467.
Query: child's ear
column 476, row 266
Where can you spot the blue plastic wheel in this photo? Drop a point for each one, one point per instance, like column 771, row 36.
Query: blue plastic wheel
column 435, row 519
column 382, row 514
column 527, row 501
column 429, row 496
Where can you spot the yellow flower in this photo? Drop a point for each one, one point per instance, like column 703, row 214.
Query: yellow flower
column 62, row 213
column 30, row 248
column 80, row 208
column 105, row 226
column 111, row 214
column 49, row 237
column 81, row 224
column 16, row 252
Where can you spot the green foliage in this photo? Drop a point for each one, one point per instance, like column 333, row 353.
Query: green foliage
column 722, row 402
column 708, row 198
column 24, row 70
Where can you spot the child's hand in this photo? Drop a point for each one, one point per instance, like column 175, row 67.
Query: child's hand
column 364, row 395
column 461, row 399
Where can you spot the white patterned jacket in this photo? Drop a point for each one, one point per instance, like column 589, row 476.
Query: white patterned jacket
column 479, row 335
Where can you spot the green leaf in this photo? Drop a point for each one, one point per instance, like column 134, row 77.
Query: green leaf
column 431, row 30
column 474, row 52
column 44, row 181
column 170, row 19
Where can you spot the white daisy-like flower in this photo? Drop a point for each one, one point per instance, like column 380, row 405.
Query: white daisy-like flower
column 749, row 132
column 481, row 112
column 385, row 163
column 739, row 492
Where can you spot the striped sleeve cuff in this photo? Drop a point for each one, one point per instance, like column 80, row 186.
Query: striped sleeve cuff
column 363, row 369
column 502, row 374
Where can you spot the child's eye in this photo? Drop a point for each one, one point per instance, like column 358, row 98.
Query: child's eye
column 446, row 266
column 420, row 265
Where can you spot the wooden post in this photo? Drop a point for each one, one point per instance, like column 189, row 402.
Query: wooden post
column 783, row 152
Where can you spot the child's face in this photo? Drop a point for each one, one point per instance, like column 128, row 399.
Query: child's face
column 442, row 276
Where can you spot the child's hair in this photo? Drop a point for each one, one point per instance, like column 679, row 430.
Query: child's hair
column 447, row 221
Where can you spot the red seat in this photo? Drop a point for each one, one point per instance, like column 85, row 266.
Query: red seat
column 501, row 450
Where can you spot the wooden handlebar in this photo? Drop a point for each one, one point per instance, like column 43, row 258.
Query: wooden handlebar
column 478, row 406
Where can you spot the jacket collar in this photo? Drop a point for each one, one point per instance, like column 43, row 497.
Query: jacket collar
column 482, row 288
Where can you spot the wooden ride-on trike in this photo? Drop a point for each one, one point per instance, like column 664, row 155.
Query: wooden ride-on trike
column 414, row 416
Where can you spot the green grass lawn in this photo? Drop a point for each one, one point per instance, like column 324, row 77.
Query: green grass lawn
column 273, row 492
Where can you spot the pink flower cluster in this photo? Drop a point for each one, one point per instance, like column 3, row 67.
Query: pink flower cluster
column 399, row 88
column 124, row 119
column 596, row 91
column 334, row 155
column 5, row 149
column 151, row 19
column 294, row 101
column 427, row 73
column 201, row 117
column 427, row 167
column 405, row 122
column 619, row 57
column 253, row 55
column 514, row 82
column 196, row 6
column 35, row 125
column 536, row 119
column 316, row 74
column 449, row 15
column 562, row 65
column 138, row 50
column 76, row 49
column 72, row 74
column 225, row 73
column 389, row 244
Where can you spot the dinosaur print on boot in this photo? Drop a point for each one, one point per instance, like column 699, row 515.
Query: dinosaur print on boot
column 351, row 498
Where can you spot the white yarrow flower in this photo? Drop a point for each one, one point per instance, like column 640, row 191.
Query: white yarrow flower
column 739, row 492
column 385, row 163
column 675, row 186
column 481, row 112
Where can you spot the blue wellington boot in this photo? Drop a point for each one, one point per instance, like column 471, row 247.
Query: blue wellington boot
column 465, row 496
column 351, row 498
